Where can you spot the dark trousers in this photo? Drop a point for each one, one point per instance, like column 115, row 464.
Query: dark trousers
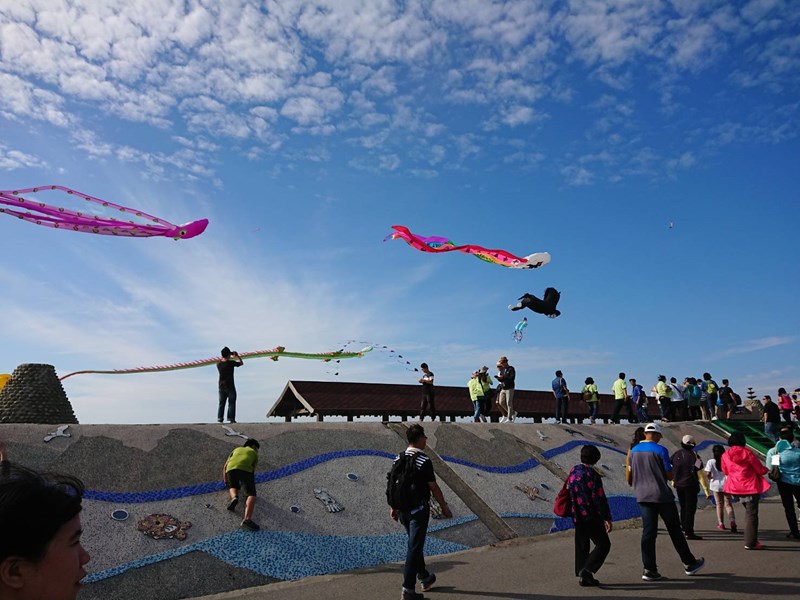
column 677, row 410
column 669, row 514
column 590, row 531
column 562, row 408
column 790, row 494
column 427, row 405
column 687, row 498
column 417, row 528
column 618, row 404
column 486, row 403
column 229, row 395
column 750, row 504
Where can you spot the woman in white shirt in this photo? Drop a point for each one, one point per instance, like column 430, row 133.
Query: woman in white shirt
column 716, row 481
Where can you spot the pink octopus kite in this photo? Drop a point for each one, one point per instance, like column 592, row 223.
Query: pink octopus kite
column 40, row 213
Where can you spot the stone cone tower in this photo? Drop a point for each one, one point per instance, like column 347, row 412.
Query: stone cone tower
column 34, row 394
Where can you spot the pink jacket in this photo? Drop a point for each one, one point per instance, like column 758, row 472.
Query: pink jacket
column 745, row 472
column 785, row 402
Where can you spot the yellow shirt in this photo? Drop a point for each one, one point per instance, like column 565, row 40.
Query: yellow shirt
column 620, row 389
column 244, row 458
column 663, row 390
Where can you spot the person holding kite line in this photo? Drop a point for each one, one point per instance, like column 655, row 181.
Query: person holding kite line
column 227, row 388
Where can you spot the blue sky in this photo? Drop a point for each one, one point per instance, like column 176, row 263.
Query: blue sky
column 303, row 130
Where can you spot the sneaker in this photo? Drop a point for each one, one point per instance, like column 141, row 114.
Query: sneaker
column 721, row 526
column 219, row 420
column 412, row 595
column 733, row 527
column 793, row 536
column 693, row 536
column 232, row 504
column 514, row 416
column 503, row 419
column 651, row 575
column 757, row 546
column 248, row 524
column 427, row 583
column 693, row 569
column 232, row 421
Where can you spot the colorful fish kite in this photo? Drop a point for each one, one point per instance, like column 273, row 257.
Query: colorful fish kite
column 519, row 330
column 40, row 213
column 497, row 257
column 274, row 354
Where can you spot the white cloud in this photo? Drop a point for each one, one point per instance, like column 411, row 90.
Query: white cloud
column 756, row 345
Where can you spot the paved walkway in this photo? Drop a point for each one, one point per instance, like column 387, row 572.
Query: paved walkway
column 541, row 568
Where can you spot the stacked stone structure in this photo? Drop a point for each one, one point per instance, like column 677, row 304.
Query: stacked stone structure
column 34, row 394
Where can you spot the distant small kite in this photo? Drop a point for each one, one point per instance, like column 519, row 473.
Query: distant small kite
column 519, row 330
column 40, row 213
column 497, row 257
column 543, row 307
column 274, row 354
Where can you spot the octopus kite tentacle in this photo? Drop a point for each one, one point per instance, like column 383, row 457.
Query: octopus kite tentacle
column 437, row 244
column 40, row 213
column 273, row 354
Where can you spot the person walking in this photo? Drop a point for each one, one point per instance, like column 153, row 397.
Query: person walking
column 651, row 469
column 709, row 396
column 664, row 396
column 415, row 519
column 227, row 387
column 621, row 398
column 745, row 479
column 488, row 393
column 686, row 466
column 639, row 401
column 771, row 418
column 638, row 436
column 677, row 405
column 239, row 474
column 506, row 376
column 475, row 390
column 716, row 482
column 785, row 404
column 561, row 393
column 428, row 403
column 591, row 515
column 694, row 397
column 590, row 396
column 786, row 457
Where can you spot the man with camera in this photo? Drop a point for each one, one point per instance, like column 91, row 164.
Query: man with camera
column 227, row 389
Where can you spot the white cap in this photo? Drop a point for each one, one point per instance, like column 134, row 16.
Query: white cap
column 652, row 428
column 688, row 440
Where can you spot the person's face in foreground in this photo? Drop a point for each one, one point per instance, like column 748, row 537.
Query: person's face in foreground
column 58, row 575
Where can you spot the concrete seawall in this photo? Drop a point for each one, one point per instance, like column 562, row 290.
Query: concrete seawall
column 175, row 470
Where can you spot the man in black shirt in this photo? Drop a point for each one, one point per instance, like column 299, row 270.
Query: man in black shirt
column 772, row 418
column 416, row 519
column 428, row 404
column 227, row 389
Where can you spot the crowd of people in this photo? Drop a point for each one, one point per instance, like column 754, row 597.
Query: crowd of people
column 693, row 399
column 734, row 474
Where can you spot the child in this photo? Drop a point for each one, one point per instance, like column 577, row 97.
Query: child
column 716, row 480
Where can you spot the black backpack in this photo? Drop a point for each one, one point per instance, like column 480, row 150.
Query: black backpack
column 402, row 486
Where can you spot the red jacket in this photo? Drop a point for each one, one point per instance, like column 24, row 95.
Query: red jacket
column 745, row 472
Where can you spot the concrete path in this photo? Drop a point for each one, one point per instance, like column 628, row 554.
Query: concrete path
column 542, row 568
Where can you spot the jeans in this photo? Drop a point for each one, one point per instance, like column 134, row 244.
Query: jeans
column 790, row 493
column 723, row 502
column 476, row 408
column 417, row 528
column 229, row 395
column 669, row 514
column 594, row 531
column 618, row 404
column 562, row 408
column 594, row 408
column 677, row 410
column 750, row 504
column 771, row 430
column 641, row 413
column 687, row 498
